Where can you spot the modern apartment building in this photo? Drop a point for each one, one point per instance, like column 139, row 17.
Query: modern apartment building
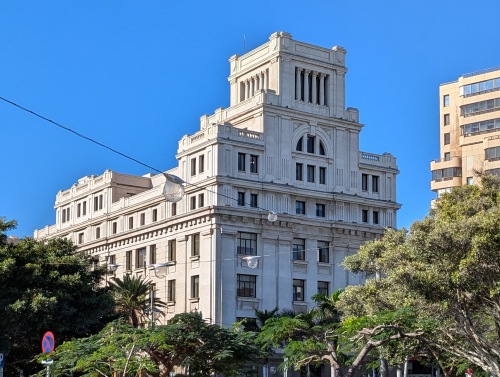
column 469, row 130
column 286, row 144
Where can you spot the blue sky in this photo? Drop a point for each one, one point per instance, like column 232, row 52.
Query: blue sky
column 137, row 76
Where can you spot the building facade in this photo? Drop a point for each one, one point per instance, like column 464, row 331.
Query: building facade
column 286, row 144
column 469, row 130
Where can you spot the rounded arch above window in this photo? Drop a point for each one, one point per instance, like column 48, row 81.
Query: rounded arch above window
column 311, row 144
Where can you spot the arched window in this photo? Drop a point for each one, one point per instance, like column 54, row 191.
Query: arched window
column 299, row 145
column 321, row 149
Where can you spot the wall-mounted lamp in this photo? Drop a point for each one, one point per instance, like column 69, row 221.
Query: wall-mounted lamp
column 252, row 261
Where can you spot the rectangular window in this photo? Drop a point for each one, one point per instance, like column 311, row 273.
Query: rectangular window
column 253, row 164
column 364, row 215
column 375, row 181
column 253, row 200
column 201, row 163
column 447, row 156
column 114, row 227
column 192, row 202
column 298, row 172
column 322, row 175
column 128, row 260
column 241, row 161
column 171, row 291
column 241, row 198
column 152, row 254
column 310, row 143
column 300, row 207
column 364, row 182
column 97, row 233
column 201, row 200
column 323, row 251
column 174, row 209
column 247, row 243
column 246, row 285
column 447, row 138
column 155, row 215
column 172, row 251
column 78, row 210
column 299, row 249
column 97, row 202
column 470, row 180
column 446, row 100
column 323, row 288
column 310, row 173
column 193, row 166
column 131, row 222
column 195, row 286
column 446, row 119
column 298, row 290
column 142, row 219
column 320, row 210
column 140, row 258
column 81, row 238
column 375, row 217
column 195, row 245
column 84, row 209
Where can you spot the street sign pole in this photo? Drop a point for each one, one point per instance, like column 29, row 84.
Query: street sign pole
column 1, row 364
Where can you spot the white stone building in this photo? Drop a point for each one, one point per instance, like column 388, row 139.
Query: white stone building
column 287, row 144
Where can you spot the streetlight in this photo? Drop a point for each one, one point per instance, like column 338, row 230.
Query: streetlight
column 161, row 271
column 252, row 261
column 173, row 190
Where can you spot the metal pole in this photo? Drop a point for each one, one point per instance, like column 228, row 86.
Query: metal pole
column 152, row 307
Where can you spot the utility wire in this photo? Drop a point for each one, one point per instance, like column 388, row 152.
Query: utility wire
column 109, row 148
column 77, row 133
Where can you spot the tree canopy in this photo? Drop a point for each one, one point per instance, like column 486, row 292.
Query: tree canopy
column 46, row 286
column 187, row 342
column 320, row 336
column 447, row 269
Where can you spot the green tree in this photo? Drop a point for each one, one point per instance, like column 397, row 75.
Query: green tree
column 46, row 286
column 131, row 298
column 446, row 268
column 320, row 337
column 187, row 342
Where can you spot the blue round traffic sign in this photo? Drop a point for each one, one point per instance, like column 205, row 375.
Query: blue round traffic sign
column 48, row 342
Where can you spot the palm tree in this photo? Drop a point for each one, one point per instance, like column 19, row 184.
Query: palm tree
column 131, row 298
column 326, row 311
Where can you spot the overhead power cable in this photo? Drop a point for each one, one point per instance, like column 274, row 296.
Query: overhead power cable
column 112, row 149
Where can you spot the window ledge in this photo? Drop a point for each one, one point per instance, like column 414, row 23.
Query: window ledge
column 194, row 299
column 194, row 257
column 170, row 303
column 299, row 261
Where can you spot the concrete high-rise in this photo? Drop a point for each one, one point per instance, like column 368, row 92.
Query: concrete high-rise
column 469, row 130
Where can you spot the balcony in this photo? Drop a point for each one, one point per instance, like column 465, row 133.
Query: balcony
column 452, row 162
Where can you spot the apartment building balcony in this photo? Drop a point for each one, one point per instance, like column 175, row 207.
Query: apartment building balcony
column 446, row 173
column 492, row 164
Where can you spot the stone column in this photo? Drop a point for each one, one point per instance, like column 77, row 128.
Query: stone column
column 313, row 88
column 306, row 85
column 264, row 81
column 247, row 85
column 297, row 83
column 322, row 89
